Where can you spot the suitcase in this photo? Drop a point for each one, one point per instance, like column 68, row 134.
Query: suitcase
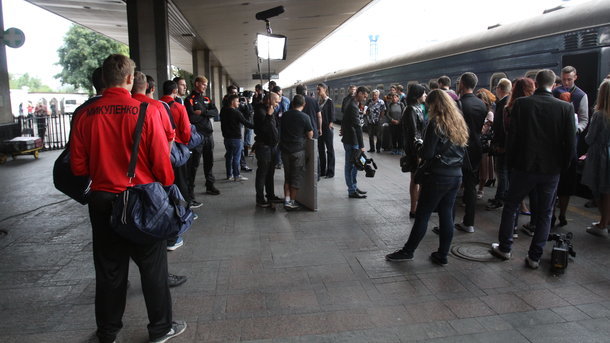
column 18, row 144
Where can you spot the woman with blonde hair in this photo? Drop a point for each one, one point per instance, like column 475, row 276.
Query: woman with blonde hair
column 596, row 173
column 443, row 151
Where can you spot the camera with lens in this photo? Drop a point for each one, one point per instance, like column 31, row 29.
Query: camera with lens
column 562, row 250
column 364, row 163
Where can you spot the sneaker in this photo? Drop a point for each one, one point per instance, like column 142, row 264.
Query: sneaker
column 178, row 244
column 480, row 194
column 175, row 280
column 528, row 229
column 356, row 195
column 399, row 256
column 246, row 169
column 195, row 204
column 439, row 259
column 531, row 263
column 597, row 231
column 291, row 205
column 494, row 205
column 178, row 327
column 240, row 178
column 278, row 166
column 495, row 250
column 465, row 228
column 515, row 234
column 264, row 204
column 212, row 191
column 195, row 216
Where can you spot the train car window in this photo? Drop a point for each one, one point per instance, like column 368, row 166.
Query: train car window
column 342, row 91
column 531, row 74
column 495, row 78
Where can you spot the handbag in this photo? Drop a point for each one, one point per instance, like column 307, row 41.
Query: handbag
column 75, row 186
column 147, row 213
column 425, row 166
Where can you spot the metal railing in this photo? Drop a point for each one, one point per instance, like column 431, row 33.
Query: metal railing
column 54, row 130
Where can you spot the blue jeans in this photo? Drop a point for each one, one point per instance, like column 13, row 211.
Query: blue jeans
column 502, row 175
column 350, row 169
column 437, row 192
column 234, row 147
column 521, row 183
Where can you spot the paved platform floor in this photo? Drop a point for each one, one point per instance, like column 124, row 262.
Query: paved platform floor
column 271, row 276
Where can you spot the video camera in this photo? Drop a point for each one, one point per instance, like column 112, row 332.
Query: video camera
column 363, row 163
column 562, row 250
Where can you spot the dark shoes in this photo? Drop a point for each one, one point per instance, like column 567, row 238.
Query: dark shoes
column 399, row 256
column 494, row 205
column 439, row 259
column 212, row 191
column 291, row 206
column 175, row 280
column 195, row 204
column 178, row 327
column 275, row 199
column 495, row 250
column 370, row 150
column 359, row 191
column 411, row 214
column 356, row 195
column 246, row 169
column 263, row 204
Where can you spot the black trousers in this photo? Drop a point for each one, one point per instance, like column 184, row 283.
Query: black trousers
column 181, row 179
column 375, row 131
column 327, row 153
column 111, row 255
column 396, row 136
column 205, row 150
column 470, row 180
column 265, row 171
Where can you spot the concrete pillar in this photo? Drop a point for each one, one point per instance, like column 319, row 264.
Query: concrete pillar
column 149, row 38
column 202, row 65
column 6, row 113
column 216, row 88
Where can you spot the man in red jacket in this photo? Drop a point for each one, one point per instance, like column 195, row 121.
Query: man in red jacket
column 100, row 147
column 143, row 90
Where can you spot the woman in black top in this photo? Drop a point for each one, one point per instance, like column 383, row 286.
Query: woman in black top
column 444, row 147
column 412, row 124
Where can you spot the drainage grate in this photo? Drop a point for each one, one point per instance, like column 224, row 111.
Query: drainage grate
column 473, row 251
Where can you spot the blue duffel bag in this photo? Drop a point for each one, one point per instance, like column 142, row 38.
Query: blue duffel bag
column 148, row 213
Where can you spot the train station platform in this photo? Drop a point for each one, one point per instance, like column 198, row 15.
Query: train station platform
column 259, row 275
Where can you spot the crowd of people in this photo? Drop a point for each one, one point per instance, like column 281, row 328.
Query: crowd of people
column 523, row 133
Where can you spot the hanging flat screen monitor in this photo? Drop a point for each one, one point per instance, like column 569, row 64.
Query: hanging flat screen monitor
column 271, row 46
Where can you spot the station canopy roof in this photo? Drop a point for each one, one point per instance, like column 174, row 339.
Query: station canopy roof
column 227, row 27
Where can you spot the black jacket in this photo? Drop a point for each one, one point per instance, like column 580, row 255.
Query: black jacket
column 231, row 120
column 498, row 142
column 203, row 122
column 474, row 111
column 265, row 127
column 448, row 157
column 541, row 136
column 350, row 125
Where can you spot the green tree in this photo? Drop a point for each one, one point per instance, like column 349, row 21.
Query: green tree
column 33, row 83
column 83, row 51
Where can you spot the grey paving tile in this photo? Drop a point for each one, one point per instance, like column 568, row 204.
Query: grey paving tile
column 595, row 310
column 429, row 312
column 494, row 323
column 467, row 326
column 506, row 303
column 564, row 332
column 577, row 295
column 570, row 313
column 468, row 307
column 540, row 299
column 532, row 318
column 507, row 336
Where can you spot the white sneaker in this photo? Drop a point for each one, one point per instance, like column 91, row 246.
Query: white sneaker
column 462, row 227
column 531, row 263
column 240, row 178
column 495, row 250
column 597, row 231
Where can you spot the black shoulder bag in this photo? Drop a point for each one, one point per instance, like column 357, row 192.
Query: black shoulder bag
column 425, row 166
column 147, row 213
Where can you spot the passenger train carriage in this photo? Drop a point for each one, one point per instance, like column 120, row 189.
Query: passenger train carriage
column 578, row 36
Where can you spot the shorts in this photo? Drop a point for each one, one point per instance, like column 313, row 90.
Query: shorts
column 294, row 168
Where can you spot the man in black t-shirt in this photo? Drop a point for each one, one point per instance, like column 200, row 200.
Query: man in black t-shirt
column 295, row 129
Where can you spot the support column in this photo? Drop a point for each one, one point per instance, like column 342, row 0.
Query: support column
column 149, row 38
column 6, row 113
column 217, row 85
column 202, row 66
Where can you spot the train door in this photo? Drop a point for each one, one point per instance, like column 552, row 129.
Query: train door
column 587, row 69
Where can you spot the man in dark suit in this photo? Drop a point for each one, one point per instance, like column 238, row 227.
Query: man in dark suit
column 498, row 144
column 352, row 141
column 540, row 145
column 474, row 111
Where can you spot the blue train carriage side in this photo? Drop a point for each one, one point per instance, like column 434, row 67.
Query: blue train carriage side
column 577, row 36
